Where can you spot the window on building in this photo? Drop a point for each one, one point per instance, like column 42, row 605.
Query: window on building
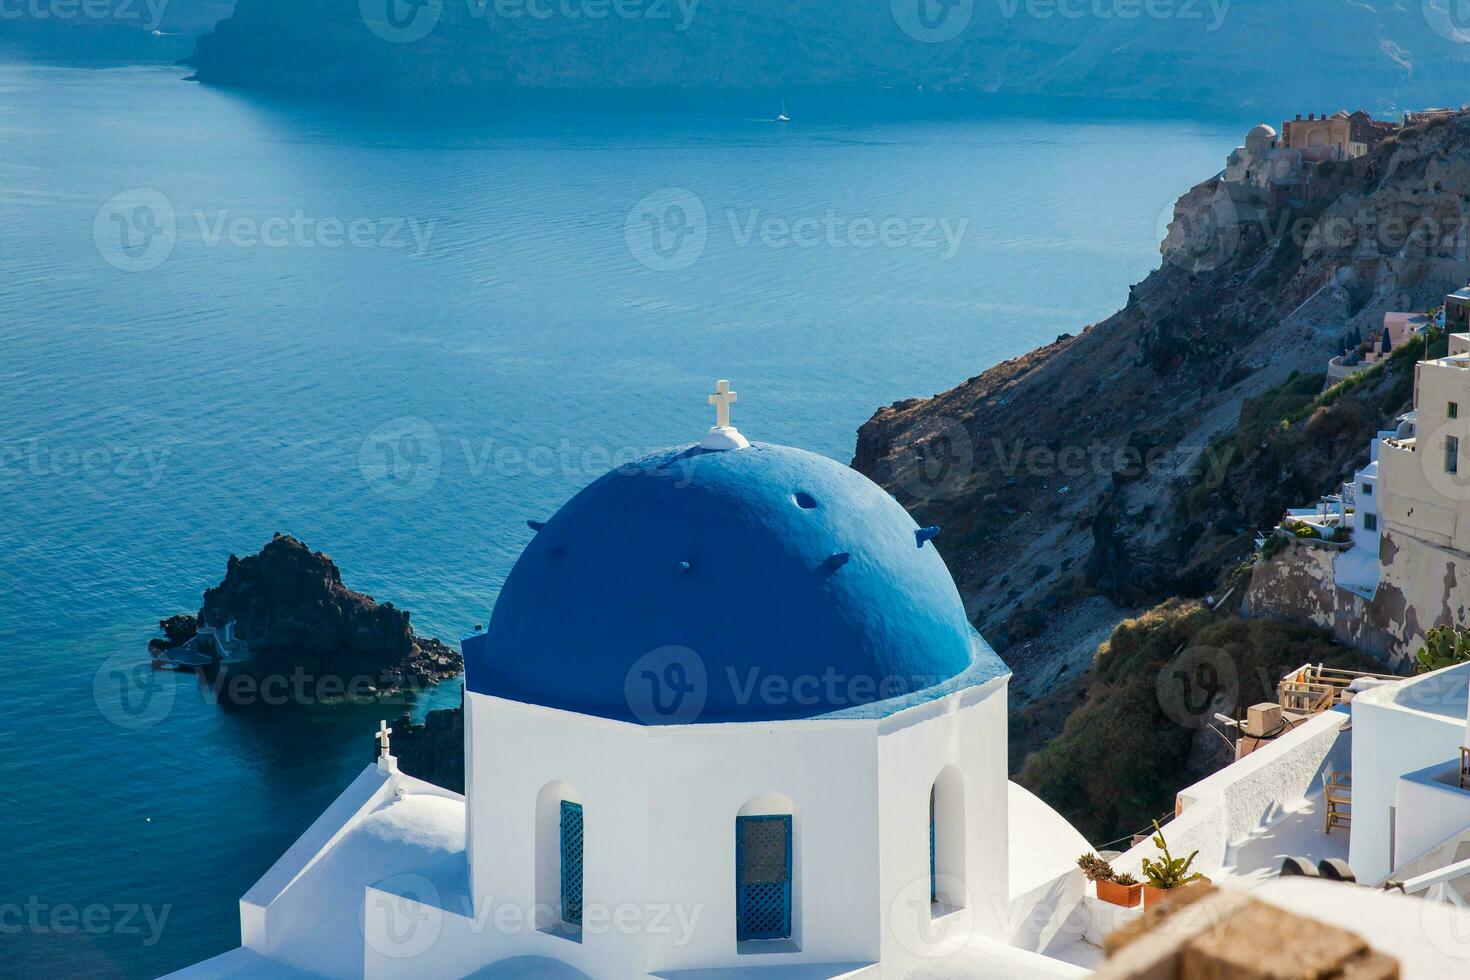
column 571, row 863
column 1370, row 522
column 559, row 861
column 1367, row 489
column 1454, row 410
column 933, row 868
column 947, row 889
column 763, row 877
column 1451, row 454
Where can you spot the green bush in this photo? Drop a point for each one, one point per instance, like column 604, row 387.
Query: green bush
column 1274, row 545
column 1120, row 760
column 1259, row 414
column 1302, row 529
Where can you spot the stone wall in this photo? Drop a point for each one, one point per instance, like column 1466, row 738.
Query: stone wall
column 1421, row 588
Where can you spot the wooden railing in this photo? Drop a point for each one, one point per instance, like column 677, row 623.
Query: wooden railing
column 1313, row 688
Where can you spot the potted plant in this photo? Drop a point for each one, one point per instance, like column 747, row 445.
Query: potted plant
column 1167, row 873
column 1123, row 890
column 1116, row 889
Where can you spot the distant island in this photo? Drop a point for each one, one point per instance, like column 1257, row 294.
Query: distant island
column 286, row 613
column 1381, row 54
column 116, row 32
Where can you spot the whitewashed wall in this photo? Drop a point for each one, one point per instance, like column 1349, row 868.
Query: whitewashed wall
column 660, row 807
column 1393, row 737
column 967, row 731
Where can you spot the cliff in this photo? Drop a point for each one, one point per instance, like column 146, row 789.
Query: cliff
column 1137, row 459
column 1132, row 465
column 1318, row 54
column 290, row 607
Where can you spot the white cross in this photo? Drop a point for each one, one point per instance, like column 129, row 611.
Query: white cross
column 383, row 732
column 722, row 399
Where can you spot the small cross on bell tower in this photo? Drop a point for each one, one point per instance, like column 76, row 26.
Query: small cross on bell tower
column 724, row 435
column 386, row 762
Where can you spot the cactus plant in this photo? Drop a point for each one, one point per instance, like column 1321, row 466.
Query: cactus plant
column 1445, row 646
column 1169, row 872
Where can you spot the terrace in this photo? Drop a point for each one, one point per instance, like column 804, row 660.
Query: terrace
column 1388, row 747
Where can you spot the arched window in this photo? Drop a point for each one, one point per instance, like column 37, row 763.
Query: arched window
column 559, row 860
column 947, row 888
column 765, row 866
column 571, row 863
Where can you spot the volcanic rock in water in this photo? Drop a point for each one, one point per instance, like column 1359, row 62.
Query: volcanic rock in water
column 289, row 605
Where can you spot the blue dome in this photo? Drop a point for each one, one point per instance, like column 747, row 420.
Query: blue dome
column 759, row 584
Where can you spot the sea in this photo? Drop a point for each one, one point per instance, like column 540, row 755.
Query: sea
column 400, row 332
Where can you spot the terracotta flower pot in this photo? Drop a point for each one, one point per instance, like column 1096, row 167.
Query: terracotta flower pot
column 1126, row 896
column 1152, row 896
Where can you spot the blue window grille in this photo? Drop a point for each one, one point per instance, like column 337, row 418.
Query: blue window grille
column 571, row 863
column 933, row 862
column 763, row 872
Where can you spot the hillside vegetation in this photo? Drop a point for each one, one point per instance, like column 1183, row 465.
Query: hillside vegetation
column 1123, row 754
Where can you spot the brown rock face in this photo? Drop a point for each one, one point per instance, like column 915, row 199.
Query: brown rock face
column 1120, row 461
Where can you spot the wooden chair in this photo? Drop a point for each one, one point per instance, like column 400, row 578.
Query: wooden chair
column 1337, row 792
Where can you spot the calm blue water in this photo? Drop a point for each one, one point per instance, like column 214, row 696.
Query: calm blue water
column 408, row 406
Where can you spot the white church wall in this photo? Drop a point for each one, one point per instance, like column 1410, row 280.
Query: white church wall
column 517, row 751
column 966, row 731
column 403, row 937
column 822, row 773
column 661, row 803
column 261, row 907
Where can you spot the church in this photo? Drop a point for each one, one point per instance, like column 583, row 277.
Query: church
column 728, row 718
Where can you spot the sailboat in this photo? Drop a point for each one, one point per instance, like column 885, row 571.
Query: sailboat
column 783, row 117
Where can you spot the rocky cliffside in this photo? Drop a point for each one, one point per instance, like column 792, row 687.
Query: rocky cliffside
column 1136, row 460
column 1132, row 465
column 433, row 750
column 1317, row 54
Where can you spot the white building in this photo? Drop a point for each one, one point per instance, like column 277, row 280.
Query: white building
column 729, row 719
column 1262, row 160
column 728, row 714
